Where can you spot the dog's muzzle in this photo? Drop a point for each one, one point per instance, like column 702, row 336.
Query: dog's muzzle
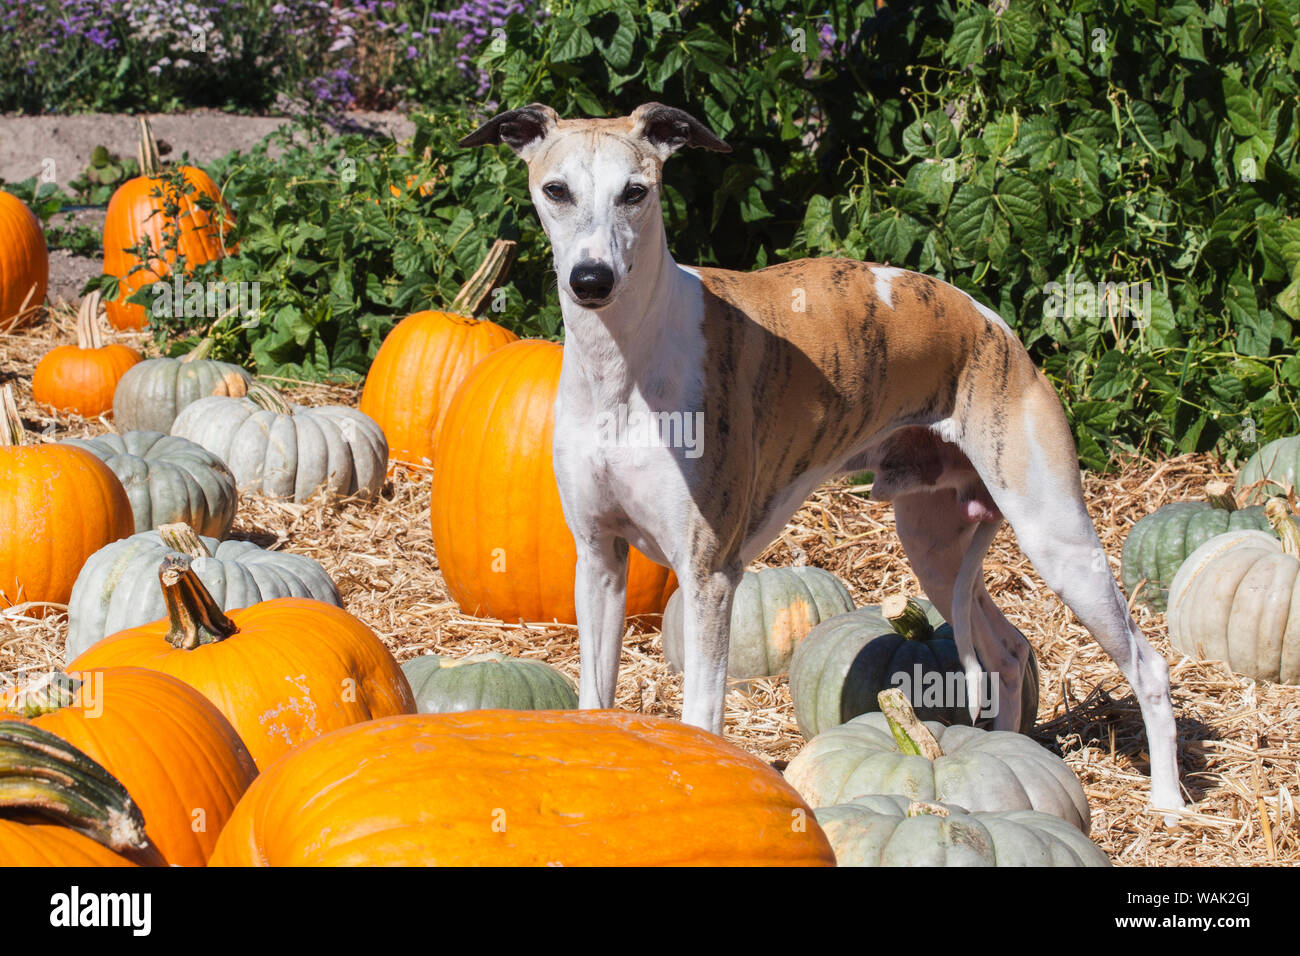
column 591, row 281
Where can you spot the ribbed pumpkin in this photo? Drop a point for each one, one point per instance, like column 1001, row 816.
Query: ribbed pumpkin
column 1277, row 465
column 502, row 543
column 24, row 263
column 425, row 358
column 772, row 612
column 168, row 479
column 892, row 752
column 1237, row 599
column 58, row 506
column 1160, row 542
column 289, row 451
column 282, row 671
column 82, row 378
column 151, row 394
column 92, row 820
column 521, row 788
column 446, row 685
column 137, row 212
column 895, row 831
column 171, row 749
column 118, row 588
column 844, row 663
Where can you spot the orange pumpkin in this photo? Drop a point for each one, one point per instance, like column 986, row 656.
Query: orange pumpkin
column 24, row 263
column 58, row 506
column 425, row 358
column 175, row 753
column 416, row 373
column 137, row 212
column 59, row 807
column 82, row 378
column 282, row 671
column 521, row 788
column 498, row 529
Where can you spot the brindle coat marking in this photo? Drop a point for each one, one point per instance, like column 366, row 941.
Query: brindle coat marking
column 880, row 369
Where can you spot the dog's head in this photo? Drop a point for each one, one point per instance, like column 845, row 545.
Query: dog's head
column 595, row 183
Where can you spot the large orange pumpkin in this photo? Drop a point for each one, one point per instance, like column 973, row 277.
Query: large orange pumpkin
column 425, row 358
column 58, row 506
column 282, row 671
column 138, row 211
column 24, row 263
column 58, row 807
column 175, row 753
column 521, row 788
column 82, row 378
column 498, row 529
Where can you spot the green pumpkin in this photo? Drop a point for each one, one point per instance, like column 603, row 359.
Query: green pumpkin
column 152, row 393
column 844, row 663
column 889, row 830
column 772, row 612
column 1279, row 462
column 445, row 685
column 892, row 752
column 1159, row 543
column 169, row 480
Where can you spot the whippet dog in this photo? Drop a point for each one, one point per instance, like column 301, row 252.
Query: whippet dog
column 801, row 372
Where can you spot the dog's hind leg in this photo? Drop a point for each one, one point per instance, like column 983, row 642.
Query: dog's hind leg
column 1036, row 486
column 946, row 551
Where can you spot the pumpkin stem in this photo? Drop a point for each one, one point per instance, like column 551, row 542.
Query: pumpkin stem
column 181, row 537
column 264, row 396
column 919, row 808
column 912, row 736
column 147, row 151
column 196, row 619
column 473, row 295
column 1219, row 495
column 44, row 777
column 88, row 336
column 44, row 696
column 1284, row 525
column 907, row 617
column 199, row 351
column 11, row 426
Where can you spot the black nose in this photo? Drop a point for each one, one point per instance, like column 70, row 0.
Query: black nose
column 591, row 280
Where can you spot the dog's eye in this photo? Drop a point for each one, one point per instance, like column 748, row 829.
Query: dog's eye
column 634, row 194
column 556, row 191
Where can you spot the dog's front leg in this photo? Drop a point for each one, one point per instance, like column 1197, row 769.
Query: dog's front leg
column 601, row 602
column 706, row 634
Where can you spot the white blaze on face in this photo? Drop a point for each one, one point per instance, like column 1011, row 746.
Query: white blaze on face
column 885, row 276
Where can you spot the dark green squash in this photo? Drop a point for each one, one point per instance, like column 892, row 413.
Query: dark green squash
column 444, row 685
column 1159, row 543
column 844, row 663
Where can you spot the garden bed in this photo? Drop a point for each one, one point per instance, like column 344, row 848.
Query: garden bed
column 1238, row 757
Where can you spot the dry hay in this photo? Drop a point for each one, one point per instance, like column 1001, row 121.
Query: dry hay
column 1237, row 737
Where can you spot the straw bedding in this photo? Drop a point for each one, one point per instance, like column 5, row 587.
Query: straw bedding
column 1238, row 738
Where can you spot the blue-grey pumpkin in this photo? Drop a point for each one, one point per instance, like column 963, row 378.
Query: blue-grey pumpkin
column 118, row 587
column 168, row 480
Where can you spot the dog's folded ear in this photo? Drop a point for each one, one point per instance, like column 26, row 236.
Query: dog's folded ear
column 519, row 129
column 669, row 129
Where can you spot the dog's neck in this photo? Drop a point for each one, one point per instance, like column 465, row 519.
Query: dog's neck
column 627, row 342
